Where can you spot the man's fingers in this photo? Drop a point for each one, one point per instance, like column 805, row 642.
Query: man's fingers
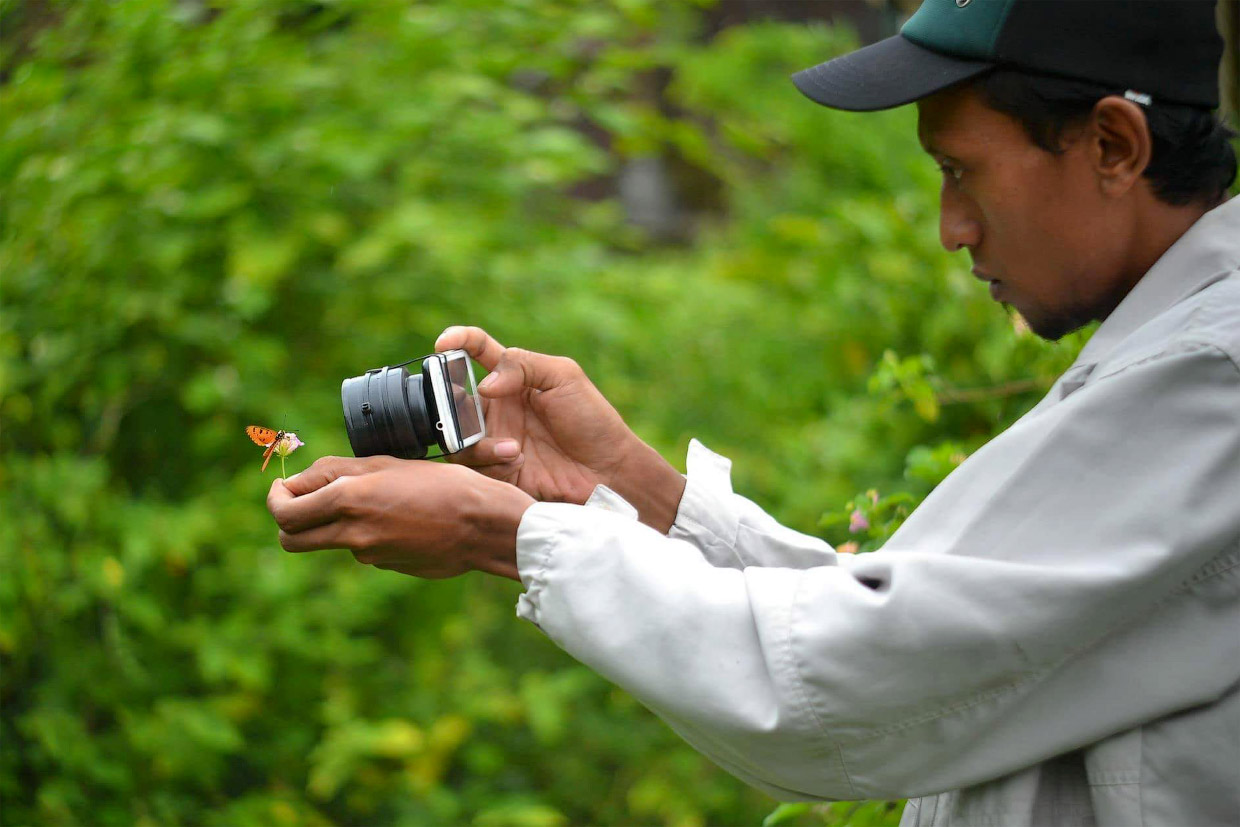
column 329, row 469
column 473, row 340
column 298, row 513
column 332, row 535
column 511, row 369
column 520, row 369
column 488, row 451
column 278, row 495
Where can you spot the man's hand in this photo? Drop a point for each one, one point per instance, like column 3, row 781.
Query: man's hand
column 552, row 434
column 421, row 518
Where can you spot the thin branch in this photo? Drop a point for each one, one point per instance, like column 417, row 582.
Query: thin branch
column 956, row 396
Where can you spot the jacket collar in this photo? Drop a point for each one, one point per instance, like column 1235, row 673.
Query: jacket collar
column 1204, row 254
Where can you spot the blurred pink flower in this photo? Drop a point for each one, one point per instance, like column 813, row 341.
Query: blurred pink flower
column 287, row 444
column 857, row 522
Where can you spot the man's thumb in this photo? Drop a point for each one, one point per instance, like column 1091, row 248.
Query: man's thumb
column 325, row 470
column 520, row 370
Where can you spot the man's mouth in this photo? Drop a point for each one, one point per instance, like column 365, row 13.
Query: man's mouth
column 996, row 286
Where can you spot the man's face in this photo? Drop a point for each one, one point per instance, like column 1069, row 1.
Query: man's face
column 1035, row 222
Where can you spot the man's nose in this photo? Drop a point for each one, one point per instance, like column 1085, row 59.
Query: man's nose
column 957, row 225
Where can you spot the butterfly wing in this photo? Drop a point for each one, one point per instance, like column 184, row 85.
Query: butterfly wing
column 260, row 435
column 265, row 437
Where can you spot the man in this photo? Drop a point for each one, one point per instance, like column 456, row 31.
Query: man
column 1053, row 637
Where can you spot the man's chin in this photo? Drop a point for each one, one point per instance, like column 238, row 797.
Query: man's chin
column 1047, row 326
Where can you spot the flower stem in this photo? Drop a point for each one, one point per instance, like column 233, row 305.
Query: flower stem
column 282, row 472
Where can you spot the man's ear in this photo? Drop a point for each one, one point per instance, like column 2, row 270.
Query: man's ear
column 1121, row 145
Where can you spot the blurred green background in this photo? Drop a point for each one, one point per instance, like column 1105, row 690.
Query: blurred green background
column 212, row 212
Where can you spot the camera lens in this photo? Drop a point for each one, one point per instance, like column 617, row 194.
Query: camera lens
column 389, row 411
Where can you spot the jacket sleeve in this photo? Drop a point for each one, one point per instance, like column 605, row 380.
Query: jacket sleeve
column 1077, row 576
column 733, row 532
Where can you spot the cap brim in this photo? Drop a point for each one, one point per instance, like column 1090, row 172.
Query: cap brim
column 888, row 73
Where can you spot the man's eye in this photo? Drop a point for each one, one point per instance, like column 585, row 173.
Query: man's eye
column 951, row 172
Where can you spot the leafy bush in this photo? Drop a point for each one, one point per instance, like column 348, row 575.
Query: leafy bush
column 213, row 212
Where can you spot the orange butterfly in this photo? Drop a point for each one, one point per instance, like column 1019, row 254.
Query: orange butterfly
column 266, row 437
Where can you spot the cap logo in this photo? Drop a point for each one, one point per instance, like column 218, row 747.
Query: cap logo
column 960, row 4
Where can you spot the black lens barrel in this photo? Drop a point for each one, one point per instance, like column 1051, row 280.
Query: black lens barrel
column 389, row 411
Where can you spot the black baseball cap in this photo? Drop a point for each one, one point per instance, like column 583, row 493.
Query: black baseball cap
column 1160, row 50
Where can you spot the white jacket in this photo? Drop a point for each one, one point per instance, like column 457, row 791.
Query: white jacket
column 1053, row 637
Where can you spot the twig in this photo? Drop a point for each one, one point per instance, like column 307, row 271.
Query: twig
column 957, row 396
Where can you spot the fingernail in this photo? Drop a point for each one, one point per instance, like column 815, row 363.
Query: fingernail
column 509, row 448
column 291, row 477
column 487, row 382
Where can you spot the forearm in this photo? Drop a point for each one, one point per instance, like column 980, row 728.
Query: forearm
column 651, row 485
column 492, row 515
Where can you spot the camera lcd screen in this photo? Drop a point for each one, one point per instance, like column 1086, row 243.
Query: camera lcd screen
column 463, row 396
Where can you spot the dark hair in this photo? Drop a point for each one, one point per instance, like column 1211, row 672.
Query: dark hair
column 1192, row 160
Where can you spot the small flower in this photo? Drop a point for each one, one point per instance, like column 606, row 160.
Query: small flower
column 857, row 522
column 287, row 444
column 873, row 495
column 847, row 548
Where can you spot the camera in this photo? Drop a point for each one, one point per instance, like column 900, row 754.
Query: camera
column 402, row 412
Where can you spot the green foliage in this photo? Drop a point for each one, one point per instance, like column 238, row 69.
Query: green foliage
column 213, row 212
column 837, row 814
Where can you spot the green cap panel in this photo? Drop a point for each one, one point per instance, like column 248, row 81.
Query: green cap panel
column 961, row 28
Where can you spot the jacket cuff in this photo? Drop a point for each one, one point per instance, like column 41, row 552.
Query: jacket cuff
column 705, row 517
column 541, row 535
column 538, row 537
